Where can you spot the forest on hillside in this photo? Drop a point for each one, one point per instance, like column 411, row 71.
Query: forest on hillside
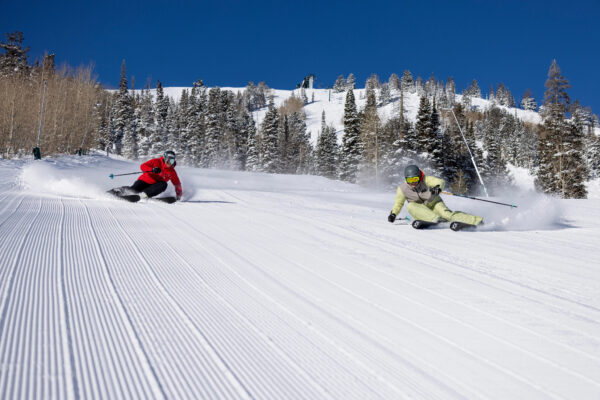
column 64, row 110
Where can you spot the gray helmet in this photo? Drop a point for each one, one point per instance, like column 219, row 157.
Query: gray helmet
column 413, row 171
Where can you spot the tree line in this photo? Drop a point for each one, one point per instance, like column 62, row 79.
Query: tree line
column 216, row 128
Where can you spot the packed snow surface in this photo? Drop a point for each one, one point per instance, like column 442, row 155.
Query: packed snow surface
column 288, row 287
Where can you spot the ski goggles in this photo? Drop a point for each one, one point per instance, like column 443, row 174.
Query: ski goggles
column 413, row 179
column 170, row 160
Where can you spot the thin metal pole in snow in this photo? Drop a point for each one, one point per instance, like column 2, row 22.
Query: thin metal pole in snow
column 471, row 154
column 41, row 115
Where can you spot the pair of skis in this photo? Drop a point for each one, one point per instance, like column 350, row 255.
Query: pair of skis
column 134, row 198
column 455, row 225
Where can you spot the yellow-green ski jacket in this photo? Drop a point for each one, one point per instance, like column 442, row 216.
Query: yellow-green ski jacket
column 419, row 194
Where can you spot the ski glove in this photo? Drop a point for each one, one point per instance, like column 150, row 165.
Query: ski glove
column 156, row 170
column 178, row 198
column 435, row 190
column 391, row 217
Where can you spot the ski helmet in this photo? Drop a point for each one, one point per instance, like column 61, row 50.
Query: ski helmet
column 169, row 157
column 411, row 172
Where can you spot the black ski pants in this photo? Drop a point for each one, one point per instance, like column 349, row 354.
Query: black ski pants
column 150, row 189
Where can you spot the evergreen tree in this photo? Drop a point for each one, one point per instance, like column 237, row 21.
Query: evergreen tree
column 373, row 82
column 327, row 151
column 173, row 126
column 575, row 163
column 252, row 157
column 385, row 96
column 528, row 102
column 407, row 83
column 212, row 152
column 425, row 137
column 158, row 138
column 561, row 144
column 123, row 120
column 14, row 59
column 299, row 149
column 145, row 122
column 350, row 83
column 269, row 140
column 340, row 84
column 450, row 94
column 370, row 131
column 351, row 144
column 495, row 165
column 473, row 90
column 394, row 82
column 435, row 150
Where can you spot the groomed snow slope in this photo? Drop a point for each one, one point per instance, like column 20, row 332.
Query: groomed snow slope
column 287, row 287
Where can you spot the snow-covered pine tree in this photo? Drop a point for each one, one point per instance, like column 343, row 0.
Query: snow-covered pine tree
column 340, row 84
column 211, row 155
column 172, row 127
column 14, row 60
column 370, row 130
column 145, row 124
column 158, row 138
column 351, row 144
column 425, row 138
column 407, row 83
column 373, row 82
column 504, row 97
column 559, row 142
column 576, row 164
column 430, row 87
column 300, row 148
column 473, row 90
column 593, row 155
column 495, row 165
column 186, row 117
column 269, row 150
column 350, row 82
column 435, row 150
column 528, row 102
column 385, row 96
column 327, row 151
column 285, row 146
column 252, row 159
column 123, row 119
column 230, row 142
column 419, row 87
column 450, row 94
column 394, row 82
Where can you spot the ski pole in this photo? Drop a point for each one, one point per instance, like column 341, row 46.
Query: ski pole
column 130, row 173
column 475, row 198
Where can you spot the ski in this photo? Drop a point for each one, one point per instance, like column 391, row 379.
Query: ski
column 132, row 198
column 458, row 226
column 169, row 199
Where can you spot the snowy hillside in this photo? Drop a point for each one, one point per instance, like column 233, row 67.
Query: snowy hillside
column 333, row 105
column 287, row 287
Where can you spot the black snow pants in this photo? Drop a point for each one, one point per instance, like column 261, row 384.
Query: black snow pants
column 150, row 189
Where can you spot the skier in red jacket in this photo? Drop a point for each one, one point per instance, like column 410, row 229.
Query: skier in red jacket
column 157, row 172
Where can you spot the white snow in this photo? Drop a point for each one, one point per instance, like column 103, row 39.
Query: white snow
column 288, row 287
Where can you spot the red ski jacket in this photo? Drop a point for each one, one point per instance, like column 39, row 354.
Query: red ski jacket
column 167, row 173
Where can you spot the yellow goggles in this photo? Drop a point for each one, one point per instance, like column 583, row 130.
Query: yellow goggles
column 414, row 179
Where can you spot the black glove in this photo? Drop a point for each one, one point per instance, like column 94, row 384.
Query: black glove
column 435, row 190
column 156, row 170
column 391, row 217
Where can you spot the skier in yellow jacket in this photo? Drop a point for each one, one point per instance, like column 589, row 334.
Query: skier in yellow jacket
column 424, row 201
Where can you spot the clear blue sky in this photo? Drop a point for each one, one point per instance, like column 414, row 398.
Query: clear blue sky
column 229, row 43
